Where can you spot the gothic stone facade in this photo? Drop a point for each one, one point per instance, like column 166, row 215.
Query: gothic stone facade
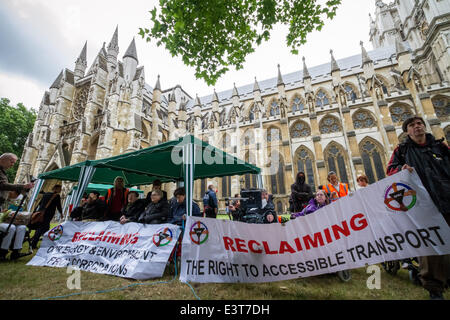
column 344, row 116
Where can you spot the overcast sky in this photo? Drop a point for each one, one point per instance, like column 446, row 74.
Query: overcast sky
column 38, row 38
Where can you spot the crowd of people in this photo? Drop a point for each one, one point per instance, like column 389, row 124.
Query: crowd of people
column 422, row 152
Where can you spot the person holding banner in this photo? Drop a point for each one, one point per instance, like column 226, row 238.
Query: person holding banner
column 134, row 208
column 177, row 212
column 335, row 188
column 320, row 200
column 430, row 158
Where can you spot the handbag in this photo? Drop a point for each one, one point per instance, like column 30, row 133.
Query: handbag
column 38, row 216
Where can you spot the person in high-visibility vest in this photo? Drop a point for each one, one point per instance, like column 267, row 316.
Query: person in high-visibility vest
column 116, row 199
column 335, row 188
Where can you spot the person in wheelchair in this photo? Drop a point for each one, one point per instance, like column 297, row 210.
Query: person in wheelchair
column 255, row 207
column 14, row 238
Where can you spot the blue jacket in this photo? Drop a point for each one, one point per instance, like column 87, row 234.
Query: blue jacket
column 178, row 210
column 213, row 200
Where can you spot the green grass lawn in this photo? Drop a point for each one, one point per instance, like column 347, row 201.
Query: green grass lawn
column 18, row 282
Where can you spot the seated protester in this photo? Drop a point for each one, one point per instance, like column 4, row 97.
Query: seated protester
column 156, row 186
column 156, row 211
column 320, row 200
column 268, row 209
column 92, row 209
column 134, row 207
column 116, row 199
column 177, row 212
column 16, row 232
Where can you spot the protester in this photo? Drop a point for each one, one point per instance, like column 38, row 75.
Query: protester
column 116, row 199
column 335, row 188
column 157, row 185
column 7, row 160
column 15, row 232
column 320, row 200
column 362, row 181
column 91, row 209
column 134, row 207
column 50, row 202
column 267, row 208
column 430, row 158
column 156, row 212
column 177, row 212
column 210, row 204
column 300, row 193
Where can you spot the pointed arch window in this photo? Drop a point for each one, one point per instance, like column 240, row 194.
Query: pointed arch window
column 329, row 125
column 274, row 109
column 304, row 161
column 400, row 113
column 372, row 161
column 336, row 162
column 297, row 104
column 273, row 134
column 300, row 129
column 363, row 119
column 249, row 137
column 322, row 99
column 350, row 92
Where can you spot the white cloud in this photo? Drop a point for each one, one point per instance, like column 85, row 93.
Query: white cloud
column 21, row 89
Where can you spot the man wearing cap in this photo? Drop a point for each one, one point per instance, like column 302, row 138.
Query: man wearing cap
column 335, row 188
column 430, row 158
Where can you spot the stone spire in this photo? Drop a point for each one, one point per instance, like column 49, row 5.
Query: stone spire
column 256, row 86
column 57, row 81
column 114, row 43
column 280, row 78
column 81, row 63
column 305, row 70
column 131, row 51
column 172, row 96
column 235, row 92
column 334, row 65
column 215, row 98
column 157, row 84
column 365, row 57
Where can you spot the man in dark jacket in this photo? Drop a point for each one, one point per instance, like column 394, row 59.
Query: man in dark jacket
column 157, row 185
column 50, row 202
column 177, row 212
column 93, row 209
column 210, row 204
column 301, row 193
column 134, row 208
column 431, row 160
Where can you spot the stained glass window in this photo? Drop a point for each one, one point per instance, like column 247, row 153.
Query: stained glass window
column 300, row 129
column 400, row 113
column 363, row 119
column 273, row 134
column 441, row 107
column 305, row 165
column 321, row 99
column 277, row 179
column 336, row 162
column 297, row 105
column 351, row 95
column 329, row 125
column 274, row 109
column 373, row 164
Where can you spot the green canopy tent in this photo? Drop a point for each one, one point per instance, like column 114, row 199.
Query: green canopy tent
column 185, row 159
column 101, row 188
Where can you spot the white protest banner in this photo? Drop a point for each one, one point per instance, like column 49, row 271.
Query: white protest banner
column 390, row 220
column 132, row 250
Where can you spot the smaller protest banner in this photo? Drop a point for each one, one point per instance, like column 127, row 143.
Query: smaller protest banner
column 133, row 250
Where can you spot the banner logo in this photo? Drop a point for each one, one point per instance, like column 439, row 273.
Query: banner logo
column 400, row 197
column 162, row 237
column 56, row 233
column 199, row 233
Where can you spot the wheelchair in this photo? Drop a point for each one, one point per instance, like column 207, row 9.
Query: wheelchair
column 392, row 268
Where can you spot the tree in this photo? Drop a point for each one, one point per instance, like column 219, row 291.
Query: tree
column 16, row 123
column 215, row 34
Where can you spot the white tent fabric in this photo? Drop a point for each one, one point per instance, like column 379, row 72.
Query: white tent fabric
column 86, row 174
column 189, row 166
